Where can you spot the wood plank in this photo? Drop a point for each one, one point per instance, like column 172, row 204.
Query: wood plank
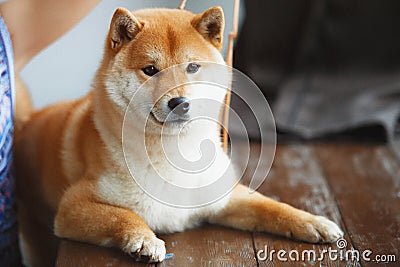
column 205, row 246
column 297, row 179
column 366, row 183
column 210, row 245
column 77, row 254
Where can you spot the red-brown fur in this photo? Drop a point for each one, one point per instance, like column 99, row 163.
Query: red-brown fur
column 61, row 153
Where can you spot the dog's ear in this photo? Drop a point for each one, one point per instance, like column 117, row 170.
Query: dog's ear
column 211, row 25
column 124, row 27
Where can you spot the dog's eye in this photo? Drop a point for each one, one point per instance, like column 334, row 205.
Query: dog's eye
column 192, row 68
column 150, row 70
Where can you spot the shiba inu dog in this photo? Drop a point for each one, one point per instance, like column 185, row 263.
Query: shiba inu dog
column 73, row 181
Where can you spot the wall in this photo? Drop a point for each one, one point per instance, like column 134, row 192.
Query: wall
column 65, row 69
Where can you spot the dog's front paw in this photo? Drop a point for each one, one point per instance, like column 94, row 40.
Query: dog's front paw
column 145, row 247
column 316, row 229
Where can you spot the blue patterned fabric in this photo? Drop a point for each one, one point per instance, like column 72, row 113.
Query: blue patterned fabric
column 9, row 252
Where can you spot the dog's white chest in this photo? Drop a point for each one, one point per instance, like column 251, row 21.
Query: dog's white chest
column 144, row 189
column 160, row 217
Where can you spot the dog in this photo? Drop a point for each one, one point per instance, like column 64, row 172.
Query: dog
column 73, row 181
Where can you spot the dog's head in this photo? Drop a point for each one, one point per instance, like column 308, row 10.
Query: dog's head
column 173, row 48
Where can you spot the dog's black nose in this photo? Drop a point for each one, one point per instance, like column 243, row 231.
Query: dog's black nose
column 179, row 105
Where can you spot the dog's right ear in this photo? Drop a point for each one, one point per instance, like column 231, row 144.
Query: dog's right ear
column 124, row 27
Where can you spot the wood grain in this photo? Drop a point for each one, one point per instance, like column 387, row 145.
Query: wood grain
column 366, row 183
column 77, row 254
column 297, row 179
column 210, row 246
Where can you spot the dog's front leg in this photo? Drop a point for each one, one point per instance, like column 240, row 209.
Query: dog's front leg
column 81, row 216
column 255, row 212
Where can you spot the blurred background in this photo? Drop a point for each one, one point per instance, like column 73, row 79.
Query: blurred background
column 329, row 69
column 325, row 66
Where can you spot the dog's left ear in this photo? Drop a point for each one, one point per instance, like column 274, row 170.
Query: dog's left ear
column 124, row 27
column 211, row 25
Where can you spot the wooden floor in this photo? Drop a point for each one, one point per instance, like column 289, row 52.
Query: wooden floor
column 355, row 185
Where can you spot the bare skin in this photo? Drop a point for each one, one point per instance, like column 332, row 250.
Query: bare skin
column 35, row 24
